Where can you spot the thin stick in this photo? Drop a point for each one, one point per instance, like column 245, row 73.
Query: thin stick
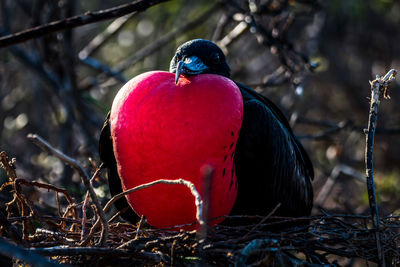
column 104, row 36
column 85, row 202
column 378, row 89
column 207, row 172
column 116, row 215
column 72, row 22
column 84, row 217
column 25, row 255
column 165, row 39
column 139, row 228
column 71, row 251
column 262, row 221
column 331, row 181
column 195, row 193
column 11, row 230
column 82, row 173
column 7, row 165
column 189, row 185
column 49, row 187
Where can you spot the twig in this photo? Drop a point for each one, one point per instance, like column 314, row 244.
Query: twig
column 189, row 185
column 198, row 201
column 232, row 35
column 379, row 89
column 116, row 215
column 85, row 202
column 70, row 251
column 207, row 172
column 139, row 228
column 49, row 187
column 330, row 182
column 165, row 39
column 8, row 165
column 262, row 221
column 104, row 36
column 82, row 173
column 25, row 255
column 99, row 66
column 84, row 215
column 11, row 230
column 46, row 217
column 72, row 22
column 218, row 31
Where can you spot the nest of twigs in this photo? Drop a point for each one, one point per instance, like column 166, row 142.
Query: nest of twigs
column 36, row 237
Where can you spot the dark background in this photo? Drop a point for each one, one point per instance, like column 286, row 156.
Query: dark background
column 51, row 87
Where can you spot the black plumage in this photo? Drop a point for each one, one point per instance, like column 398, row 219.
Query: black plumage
column 271, row 165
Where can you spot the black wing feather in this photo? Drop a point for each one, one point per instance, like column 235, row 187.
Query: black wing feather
column 106, row 153
column 271, row 164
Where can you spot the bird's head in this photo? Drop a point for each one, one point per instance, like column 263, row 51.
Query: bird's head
column 199, row 56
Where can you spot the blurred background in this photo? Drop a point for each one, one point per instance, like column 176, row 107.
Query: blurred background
column 312, row 58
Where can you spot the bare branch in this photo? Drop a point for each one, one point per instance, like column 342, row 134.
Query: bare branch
column 82, row 173
column 330, row 182
column 25, row 255
column 104, row 36
column 8, row 166
column 70, row 251
column 72, row 22
column 232, row 35
column 198, row 202
column 85, row 202
column 379, row 89
column 11, row 230
column 189, row 185
column 163, row 40
column 99, row 66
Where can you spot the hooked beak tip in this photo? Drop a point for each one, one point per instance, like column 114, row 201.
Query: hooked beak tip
column 179, row 68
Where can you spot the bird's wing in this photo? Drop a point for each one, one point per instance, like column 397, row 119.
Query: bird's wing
column 106, row 153
column 271, row 164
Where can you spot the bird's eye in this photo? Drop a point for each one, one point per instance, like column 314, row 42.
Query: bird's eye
column 215, row 59
column 178, row 56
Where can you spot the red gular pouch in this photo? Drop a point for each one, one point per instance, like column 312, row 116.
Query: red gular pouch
column 163, row 130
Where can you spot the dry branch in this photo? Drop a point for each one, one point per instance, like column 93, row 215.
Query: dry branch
column 8, row 165
column 379, row 88
column 326, row 235
column 11, row 230
column 25, row 255
column 189, row 185
column 332, row 179
column 82, row 173
column 104, row 36
column 72, row 22
column 165, row 39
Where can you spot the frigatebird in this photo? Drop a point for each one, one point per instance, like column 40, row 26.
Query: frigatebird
column 270, row 163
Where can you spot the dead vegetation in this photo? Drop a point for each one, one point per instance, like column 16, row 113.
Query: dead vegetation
column 327, row 239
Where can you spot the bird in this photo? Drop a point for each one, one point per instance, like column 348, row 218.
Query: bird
column 270, row 167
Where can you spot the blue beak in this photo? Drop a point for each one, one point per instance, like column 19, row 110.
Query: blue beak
column 189, row 66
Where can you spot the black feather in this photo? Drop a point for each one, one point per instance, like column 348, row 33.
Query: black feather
column 106, row 153
column 271, row 165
